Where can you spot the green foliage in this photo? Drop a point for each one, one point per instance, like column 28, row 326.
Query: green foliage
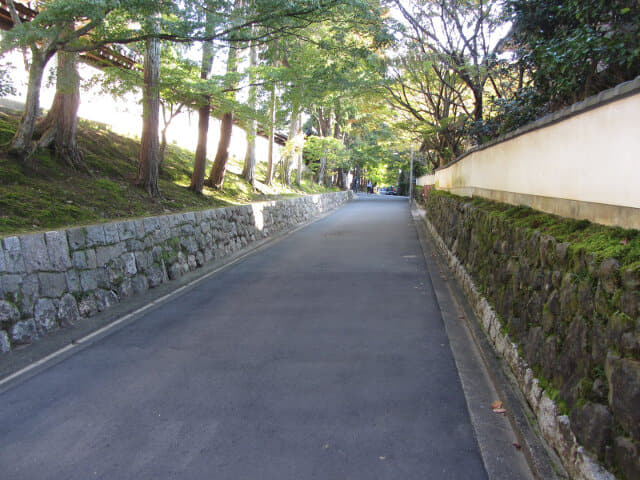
column 576, row 48
column 508, row 114
column 329, row 148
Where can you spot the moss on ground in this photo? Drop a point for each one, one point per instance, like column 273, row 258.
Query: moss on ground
column 51, row 195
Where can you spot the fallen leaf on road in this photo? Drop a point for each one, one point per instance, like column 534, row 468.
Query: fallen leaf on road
column 498, row 407
column 517, row 445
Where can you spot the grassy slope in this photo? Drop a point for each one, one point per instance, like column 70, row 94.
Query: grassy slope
column 51, row 195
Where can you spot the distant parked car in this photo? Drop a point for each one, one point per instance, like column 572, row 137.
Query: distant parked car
column 392, row 191
column 382, row 191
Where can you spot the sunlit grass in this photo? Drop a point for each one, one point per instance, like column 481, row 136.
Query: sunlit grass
column 51, row 195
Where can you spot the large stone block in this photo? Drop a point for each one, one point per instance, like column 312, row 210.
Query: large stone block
column 134, row 245
column 189, row 244
column 73, row 281
column 139, row 225
column 627, row 456
column 5, row 343
column 111, row 234
column 140, row 284
column 88, row 280
column 68, row 312
column 105, row 254
column 186, row 230
column 92, row 261
column 79, row 260
column 44, row 314
column 77, row 238
column 593, row 426
column 29, row 291
column 115, row 272
column 102, row 275
column 144, row 259
column 629, row 303
column 129, row 261
column 127, row 230
column 157, row 253
column 175, row 271
column 609, row 275
column 150, row 224
column 9, row 314
column 52, row 285
column 58, row 250
column 24, row 332
column 164, row 230
column 624, row 393
column 35, row 253
column 95, row 236
column 3, row 265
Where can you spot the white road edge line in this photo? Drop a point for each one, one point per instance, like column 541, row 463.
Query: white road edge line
column 117, row 322
column 161, row 299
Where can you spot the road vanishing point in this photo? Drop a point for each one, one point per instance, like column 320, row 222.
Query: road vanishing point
column 322, row 356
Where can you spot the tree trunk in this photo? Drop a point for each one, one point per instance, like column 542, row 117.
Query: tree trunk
column 218, row 170
column 293, row 132
column 272, row 131
column 249, row 170
column 21, row 144
column 299, row 153
column 340, row 179
column 323, row 167
column 58, row 129
column 324, row 121
column 148, row 163
column 200, row 160
column 477, row 107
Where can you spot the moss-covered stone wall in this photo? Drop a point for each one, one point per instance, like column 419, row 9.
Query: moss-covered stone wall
column 573, row 312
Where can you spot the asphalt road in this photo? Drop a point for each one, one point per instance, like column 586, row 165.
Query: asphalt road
column 323, row 356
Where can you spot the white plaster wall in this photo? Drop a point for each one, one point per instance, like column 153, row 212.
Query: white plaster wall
column 591, row 157
column 428, row 179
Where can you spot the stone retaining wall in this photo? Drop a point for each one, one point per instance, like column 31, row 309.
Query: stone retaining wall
column 54, row 279
column 568, row 326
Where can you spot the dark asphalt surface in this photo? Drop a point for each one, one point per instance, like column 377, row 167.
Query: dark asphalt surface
column 321, row 357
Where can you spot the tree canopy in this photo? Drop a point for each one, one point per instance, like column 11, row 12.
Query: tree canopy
column 356, row 81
